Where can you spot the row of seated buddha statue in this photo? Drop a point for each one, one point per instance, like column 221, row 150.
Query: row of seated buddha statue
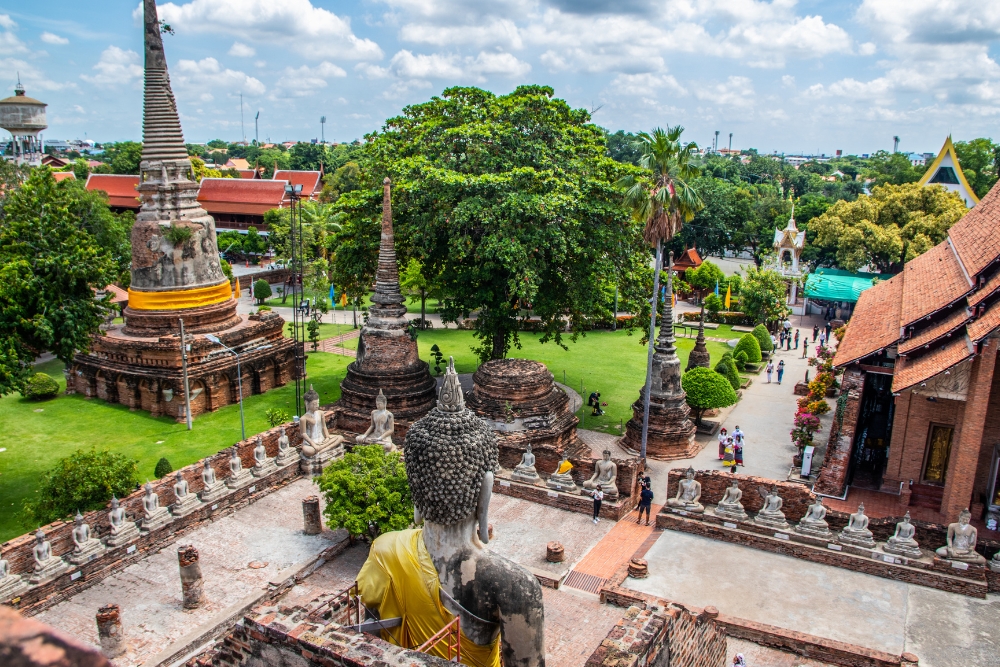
column 961, row 538
column 605, row 475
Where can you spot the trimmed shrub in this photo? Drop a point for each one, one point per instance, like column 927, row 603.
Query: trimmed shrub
column 740, row 360
column 763, row 337
column 83, row 481
column 727, row 369
column 163, row 467
column 40, row 386
column 261, row 290
column 713, row 304
column 705, row 390
column 748, row 345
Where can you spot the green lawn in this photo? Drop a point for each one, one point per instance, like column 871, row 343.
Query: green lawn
column 37, row 434
column 326, row 330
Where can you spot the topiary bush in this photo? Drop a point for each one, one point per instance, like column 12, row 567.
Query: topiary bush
column 85, row 480
column 261, row 291
column 748, row 345
column 706, row 390
column 740, row 360
column 40, row 386
column 763, row 337
column 727, row 369
column 163, row 467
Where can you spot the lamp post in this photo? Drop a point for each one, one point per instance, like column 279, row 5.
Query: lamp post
column 294, row 194
column 239, row 379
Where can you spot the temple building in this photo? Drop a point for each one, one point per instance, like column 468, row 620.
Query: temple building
column 788, row 245
column 921, row 412
column 177, row 275
column 947, row 172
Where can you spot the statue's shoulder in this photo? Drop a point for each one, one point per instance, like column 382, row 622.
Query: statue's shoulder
column 512, row 578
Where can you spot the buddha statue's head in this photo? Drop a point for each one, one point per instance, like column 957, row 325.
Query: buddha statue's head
column 964, row 517
column 906, row 517
column 607, row 454
column 380, row 401
column 79, row 518
column 451, row 456
column 689, row 473
column 861, row 509
column 39, row 536
column 114, row 502
column 179, row 477
column 149, row 488
column 311, row 398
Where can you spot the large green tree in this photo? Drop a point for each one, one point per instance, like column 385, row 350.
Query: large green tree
column 58, row 243
column 509, row 199
column 762, row 295
column 979, row 159
column 122, row 158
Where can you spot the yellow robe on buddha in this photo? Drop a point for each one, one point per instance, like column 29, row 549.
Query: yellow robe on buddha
column 564, row 467
column 399, row 580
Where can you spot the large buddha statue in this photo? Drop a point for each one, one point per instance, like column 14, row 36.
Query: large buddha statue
column 856, row 532
column 318, row 445
column 123, row 530
column 814, row 522
column 902, row 542
column 525, row 470
column 730, row 506
column 427, row 576
column 604, row 477
column 688, row 494
column 962, row 538
column 381, row 428
column 86, row 547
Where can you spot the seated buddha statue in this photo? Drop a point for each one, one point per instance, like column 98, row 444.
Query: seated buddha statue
column 902, row 542
column 814, row 522
column 962, row 538
column 382, row 426
column 856, row 531
column 316, row 438
column 525, row 470
column 561, row 479
column 123, row 531
column 605, row 476
column 46, row 565
column 86, row 547
column 729, row 506
column 688, row 494
column 770, row 514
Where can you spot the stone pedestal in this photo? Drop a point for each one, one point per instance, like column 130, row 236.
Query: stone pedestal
column 191, row 584
column 312, row 519
column 731, row 512
column 156, row 519
column 820, row 531
column 212, row 493
column 554, row 552
column 264, row 469
column 562, row 483
column 863, row 539
column 526, row 476
column 313, row 465
column 184, row 506
column 128, row 532
column 49, row 569
column 286, row 457
column 907, row 551
column 776, row 521
column 239, row 480
column 11, row 586
column 109, row 631
column 90, row 550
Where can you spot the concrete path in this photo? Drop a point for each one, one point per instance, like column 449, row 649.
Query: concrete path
column 942, row 629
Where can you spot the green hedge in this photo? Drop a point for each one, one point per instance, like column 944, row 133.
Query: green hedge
column 763, row 337
column 707, row 389
column 749, row 345
column 40, row 386
column 727, row 369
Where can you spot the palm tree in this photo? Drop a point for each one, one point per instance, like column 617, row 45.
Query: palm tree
column 663, row 205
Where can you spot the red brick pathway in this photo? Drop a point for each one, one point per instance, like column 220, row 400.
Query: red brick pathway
column 333, row 344
column 625, row 540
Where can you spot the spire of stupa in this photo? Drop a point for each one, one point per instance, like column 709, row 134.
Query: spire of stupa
column 388, row 298
column 161, row 126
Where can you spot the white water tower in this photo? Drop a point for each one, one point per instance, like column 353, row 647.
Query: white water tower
column 24, row 118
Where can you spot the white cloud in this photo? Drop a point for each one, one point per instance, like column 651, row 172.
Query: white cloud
column 50, row 38
column 407, row 65
column 116, row 67
column 293, row 24
column 737, row 91
column 206, row 76
column 646, row 85
column 7, row 22
column 241, row 50
column 304, row 81
column 494, row 32
column 9, row 43
column 77, row 108
column 31, row 77
column 933, row 21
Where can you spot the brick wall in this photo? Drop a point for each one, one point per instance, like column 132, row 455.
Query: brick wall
column 669, row 636
column 714, row 483
column 28, row 643
column 19, row 550
column 833, row 473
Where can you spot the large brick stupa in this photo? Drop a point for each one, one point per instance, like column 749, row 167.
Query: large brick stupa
column 176, row 274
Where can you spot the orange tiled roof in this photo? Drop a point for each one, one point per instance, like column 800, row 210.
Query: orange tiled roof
column 120, row 188
column 975, row 236
column 875, row 323
column 981, row 327
column 309, row 180
column 991, row 286
column 956, row 350
column 248, row 173
column 689, row 259
column 64, row 176
column 932, row 281
column 240, row 195
column 936, row 330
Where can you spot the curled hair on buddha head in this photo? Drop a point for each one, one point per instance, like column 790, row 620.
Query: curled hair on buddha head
column 448, row 452
column 311, row 395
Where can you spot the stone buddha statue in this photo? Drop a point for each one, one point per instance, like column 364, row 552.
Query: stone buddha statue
column 318, row 446
column 962, row 538
column 213, row 489
column 46, row 565
column 856, row 531
column 604, row 477
column 770, row 514
column 86, row 547
column 730, row 506
column 451, row 456
column 238, row 475
column 525, row 470
column 123, row 531
column 286, row 453
column 380, row 431
column 688, row 494
column 153, row 516
column 185, row 502
column 814, row 522
column 902, row 542
column 11, row 585
column 262, row 464
column 561, row 479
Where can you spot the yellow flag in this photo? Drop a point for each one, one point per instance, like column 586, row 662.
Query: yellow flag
column 673, row 300
column 729, row 295
column 343, row 298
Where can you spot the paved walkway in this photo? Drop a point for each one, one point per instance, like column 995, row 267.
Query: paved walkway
column 335, row 344
column 617, row 547
column 942, row 629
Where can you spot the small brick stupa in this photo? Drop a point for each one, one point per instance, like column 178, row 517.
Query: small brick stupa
column 671, row 433
column 176, row 274
column 523, row 405
column 387, row 353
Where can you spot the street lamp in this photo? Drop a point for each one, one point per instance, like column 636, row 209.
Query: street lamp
column 239, row 379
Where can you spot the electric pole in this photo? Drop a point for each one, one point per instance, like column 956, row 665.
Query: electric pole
column 322, row 127
column 256, row 134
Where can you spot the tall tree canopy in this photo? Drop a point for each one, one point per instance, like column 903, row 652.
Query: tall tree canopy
column 58, row 243
column 510, row 200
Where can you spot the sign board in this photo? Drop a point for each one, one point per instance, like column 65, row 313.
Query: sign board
column 807, row 460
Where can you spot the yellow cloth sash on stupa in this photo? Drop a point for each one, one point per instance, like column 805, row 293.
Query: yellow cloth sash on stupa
column 179, row 299
column 564, row 467
column 400, row 581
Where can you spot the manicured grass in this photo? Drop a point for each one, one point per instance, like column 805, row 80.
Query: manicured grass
column 37, row 434
column 326, row 330
column 612, row 363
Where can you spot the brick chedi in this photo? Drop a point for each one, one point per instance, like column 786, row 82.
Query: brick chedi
column 520, row 400
column 671, row 433
column 176, row 274
column 387, row 352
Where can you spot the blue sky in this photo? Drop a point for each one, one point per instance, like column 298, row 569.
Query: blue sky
column 811, row 75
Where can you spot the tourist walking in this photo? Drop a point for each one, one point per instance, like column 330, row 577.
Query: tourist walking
column 769, row 369
column 739, row 661
column 598, row 498
column 781, row 370
column 829, row 327
column 645, row 501
column 815, row 332
column 788, row 340
column 822, row 339
column 722, row 443
column 781, row 339
column 738, row 435
column 737, row 453
column 774, row 341
column 729, row 461
column 796, row 339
